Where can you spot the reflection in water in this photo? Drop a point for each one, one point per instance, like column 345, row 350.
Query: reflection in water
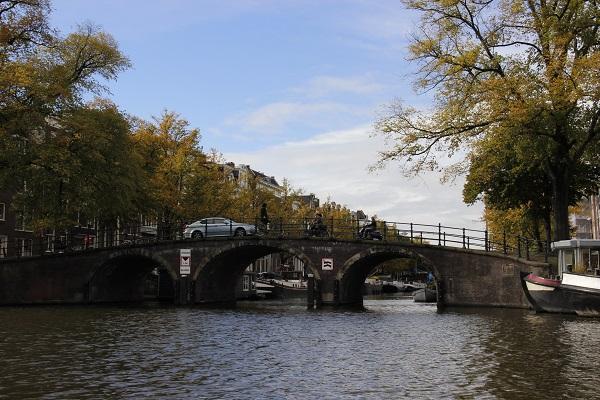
column 395, row 348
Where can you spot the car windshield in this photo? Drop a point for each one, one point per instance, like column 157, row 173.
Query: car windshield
column 209, row 221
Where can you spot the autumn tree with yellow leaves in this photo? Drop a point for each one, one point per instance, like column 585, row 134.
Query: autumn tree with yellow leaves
column 529, row 69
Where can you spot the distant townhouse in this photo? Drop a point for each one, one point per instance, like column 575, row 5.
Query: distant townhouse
column 585, row 220
column 310, row 200
column 246, row 177
column 595, row 215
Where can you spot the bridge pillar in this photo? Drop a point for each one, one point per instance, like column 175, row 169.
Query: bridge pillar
column 310, row 292
column 336, row 292
column 184, row 295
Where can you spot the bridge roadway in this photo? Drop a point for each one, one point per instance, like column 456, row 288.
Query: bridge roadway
column 463, row 277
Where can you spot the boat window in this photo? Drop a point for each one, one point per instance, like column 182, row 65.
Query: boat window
column 583, row 263
column 567, row 260
column 595, row 261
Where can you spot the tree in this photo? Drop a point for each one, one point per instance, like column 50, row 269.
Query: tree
column 56, row 152
column 506, row 177
column 173, row 163
column 210, row 192
column 530, row 68
column 23, row 27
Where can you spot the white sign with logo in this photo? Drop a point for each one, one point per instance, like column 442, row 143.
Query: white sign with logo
column 185, row 260
column 327, row 264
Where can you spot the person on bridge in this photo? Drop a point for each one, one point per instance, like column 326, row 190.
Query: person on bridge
column 264, row 217
column 370, row 227
column 318, row 228
column 318, row 221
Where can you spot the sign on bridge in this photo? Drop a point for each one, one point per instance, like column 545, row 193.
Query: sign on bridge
column 185, row 260
column 327, row 264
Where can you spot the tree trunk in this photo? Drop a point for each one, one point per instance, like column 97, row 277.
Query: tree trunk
column 537, row 235
column 548, row 226
column 560, row 178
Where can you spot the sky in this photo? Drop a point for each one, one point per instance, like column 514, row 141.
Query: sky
column 291, row 88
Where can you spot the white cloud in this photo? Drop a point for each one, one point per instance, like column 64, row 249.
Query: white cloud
column 335, row 165
column 273, row 117
column 325, row 85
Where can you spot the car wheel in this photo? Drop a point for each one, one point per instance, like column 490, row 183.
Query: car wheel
column 197, row 235
column 240, row 232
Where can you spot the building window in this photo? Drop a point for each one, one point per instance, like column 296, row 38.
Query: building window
column 48, row 243
column 2, row 212
column 3, row 246
column 24, row 247
column 23, row 222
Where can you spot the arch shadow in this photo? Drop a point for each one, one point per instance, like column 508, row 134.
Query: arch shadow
column 356, row 269
column 123, row 278
column 215, row 277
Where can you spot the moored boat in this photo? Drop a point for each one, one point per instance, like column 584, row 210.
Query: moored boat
column 425, row 295
column 576, row 290
column 286, row 285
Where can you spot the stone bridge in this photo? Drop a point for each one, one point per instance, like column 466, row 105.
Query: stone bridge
column 463, row 277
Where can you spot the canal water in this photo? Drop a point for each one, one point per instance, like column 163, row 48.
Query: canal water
column 269, row 350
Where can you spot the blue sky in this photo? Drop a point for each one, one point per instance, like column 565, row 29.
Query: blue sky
column 291, row 88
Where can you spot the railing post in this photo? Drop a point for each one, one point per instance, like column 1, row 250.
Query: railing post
column 230, row 228
column 444, row 239
column 519, row 246
column 464, row 239
column 526, row 248
column 439, row 234
column 384, row 230
column 411, row 232
column 487, row 247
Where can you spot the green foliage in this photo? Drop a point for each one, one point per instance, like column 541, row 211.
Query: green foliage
column 59, row 155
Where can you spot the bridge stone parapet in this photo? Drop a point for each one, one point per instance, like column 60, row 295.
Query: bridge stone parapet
column 338, row 267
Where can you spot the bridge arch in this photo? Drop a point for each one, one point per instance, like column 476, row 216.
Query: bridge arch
column 216, row 275
column 121, row 277
column 351, row 276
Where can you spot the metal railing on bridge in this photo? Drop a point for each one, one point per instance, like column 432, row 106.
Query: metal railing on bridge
column 334, row 229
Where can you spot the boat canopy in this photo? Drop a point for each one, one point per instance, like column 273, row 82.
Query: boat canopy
column 576, row 243
column 581, row 256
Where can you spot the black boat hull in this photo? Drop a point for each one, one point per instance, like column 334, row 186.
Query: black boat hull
column 562, row 298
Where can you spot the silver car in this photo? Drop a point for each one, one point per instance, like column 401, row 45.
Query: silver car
column 217, row 226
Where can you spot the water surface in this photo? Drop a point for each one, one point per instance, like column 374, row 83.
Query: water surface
column 394, row 349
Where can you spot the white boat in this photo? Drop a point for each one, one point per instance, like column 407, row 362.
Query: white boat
column 576, row 290
column 425, row 295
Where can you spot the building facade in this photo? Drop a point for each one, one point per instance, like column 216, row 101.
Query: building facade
column 245, row 177
column 16, row 235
